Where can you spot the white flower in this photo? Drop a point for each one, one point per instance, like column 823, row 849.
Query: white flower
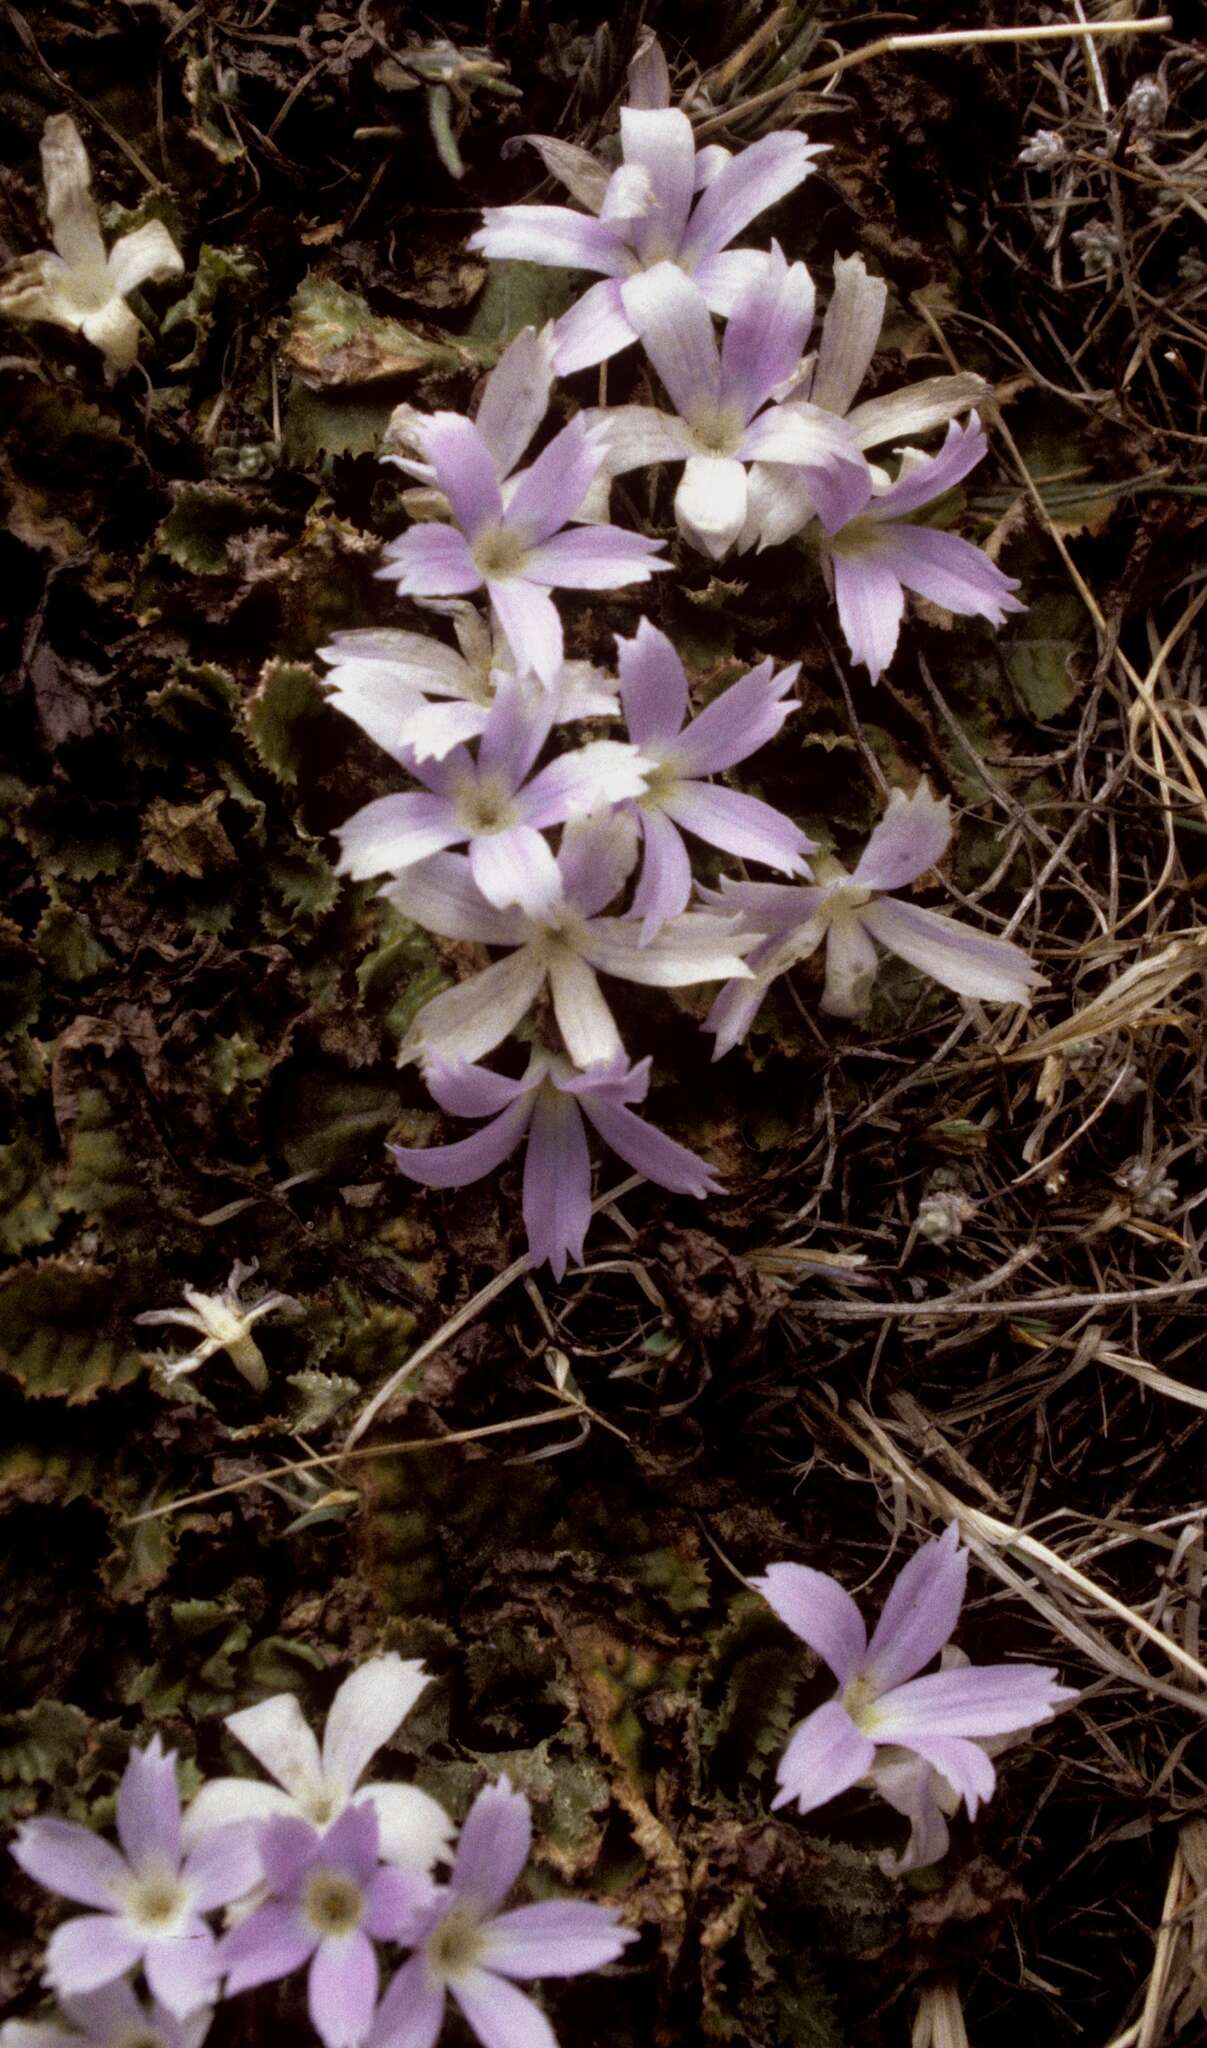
column 81, row 287
column 224, row 1323
column 316, row 1785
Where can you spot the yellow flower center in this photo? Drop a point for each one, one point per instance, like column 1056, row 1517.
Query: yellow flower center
column 456, row 1945
column 485, row 807
column 498, row 551
column 333, row 1903
column 716, row 429
column 859, row 1698
column 156, row 1900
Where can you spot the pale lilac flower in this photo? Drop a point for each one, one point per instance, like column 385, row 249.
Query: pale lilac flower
column 111, row 2017
column 564, row 949
column 881, row 553
column 316, row 1785
column 847, row 912
column 780, row 500
column 384, row 680
column 147, row 1897
column 679, row 751
column 548, row 1106
column 517, row 549
column 328, row 1900
column 224, row 1322
column 466, row 1945
column 882, row 1700
column 489, row 801
column 723, row 418
column 665, row 203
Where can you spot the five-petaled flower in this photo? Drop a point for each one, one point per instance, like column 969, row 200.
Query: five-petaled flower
column 882, row 1701
column 81, row 285
column 847, row 912
column 465, row 1945
column 317, row 1785
column 111, row 2017
column 147, row 1897
column 548, row 1105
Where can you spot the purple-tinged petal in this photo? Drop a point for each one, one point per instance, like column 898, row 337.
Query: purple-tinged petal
column 515, row 398
column 551, row 234
column 369, row 1707
column 912, row 836
column 394, row 832
column 973, row 1700
column 649, row 1151
column 558, row 1938
column 726, row 277
column 272, row 1942
column 470, row 1159
column 694, row 947
column 636, row 436
column 501, row 2016
column 908, row 1784
column 921, row 1611
column 915, row 409
column 342, row 1989
column 849, row 334
column 739, row 721
column 431, row 560
column 850, row 969
column 752, row 181
column 465, row 470
column 89, row 1951
column 734, row 1011
column 825, row 1756
column 740, row 824
column 148, row 1808
column 596, row 857
column 766, row 334
column 553, row 489
column 411, row 660
column 580, row 781
column 44, row 2034
column 818, row 1610
column 653, row 685
column 659, row 140
column 922, row 482
column 594, row 329
column 411, row 2013
column 442, row 896
column 107, row 2011
column 648, row 75
column 710, row 503
column 594, row 558
column 610, row 1080
column 557, row 1190
column 72, row 1861
column 529, row 619
column 183, row 1973
column 993, row 970
column 676, row 331
column 464, row 1090
column 431, row 732
column 586, row 1023
column 280, row 1738
column 665, row 885
column 493, row 1847
column 823, row 448
column 949, row 571
column 628, row 197
column 779, row 504
column 870, row 603
column 468, row 1021
column 516, row 729
column 289, row 1848
column 225, row 1865
column 517, row 867
column 966, row 1768
column 397, row 1903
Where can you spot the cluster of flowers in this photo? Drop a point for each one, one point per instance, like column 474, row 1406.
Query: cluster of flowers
column 318, row 1868
column 771, row 443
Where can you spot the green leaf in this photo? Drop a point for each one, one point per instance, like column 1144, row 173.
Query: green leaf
column 321, row 423
column 59, row 1331
column 201, row 88
column 288, row 699
column 1038, row 650
column 20, row 982
column 402, row 972
column 335, row 340
column 101, row 1178
column 305, row 882
column 28, row 1213
column 203, row 518
column 516, row 295
column 216, row 269
column 330, row 1123
column 69, row 946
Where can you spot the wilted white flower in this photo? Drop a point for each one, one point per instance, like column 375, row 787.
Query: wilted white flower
column 1044, row 151
column 78, row 285
column 224, row 1323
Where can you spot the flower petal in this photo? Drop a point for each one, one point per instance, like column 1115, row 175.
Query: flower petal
column 870, row 604
column 225, row 1865
column 431, row 560
column 89, row 1951
column 414, row 1831
column 660, row 141
column 909, row 1785
column 752, row 181
column 850, row 969
column 493, row 1847
column 465, row 470
column 515, row 397
column 72, row 1861
column 912, row 836
column 411, row 2013
column 342, row 1989
column 920, row 1612
column 147, row 255
column 596, row 857
column 517, row 867
column 739, row 721
column 923, row 481
column 740, row 824
column 580, row 781
column 586, row 1023
column 818, row 1610
column 965, row 1766
column 949, row 571
column 70, row 206
column 766, row 334
column 649, row 1151
column 279, row 1737
column 974, row 1700
column 551, row 234
column 915, row 409
column 442, row 895
column 595, row 558
column 394, row 832
column 694, row 947
column 464, row 1090
column 727, row 276
column 594, row 329
column 501, row 2016
column 665, row 885
column 369, row 1707
column 825, row 1756
column 552, row 490
column 469, row 1159
column 529, row 618
column 710, row 503
column 557, row 1938
column 653, row 685
column 636, row 436
column 951, row 953
column 557, row 1188
column 676, row 331
column 272, row 1942
column 183, row 1972
column 849, row 334
column 468, row 1021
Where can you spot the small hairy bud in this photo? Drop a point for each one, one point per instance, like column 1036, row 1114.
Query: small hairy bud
column 1044, row 150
